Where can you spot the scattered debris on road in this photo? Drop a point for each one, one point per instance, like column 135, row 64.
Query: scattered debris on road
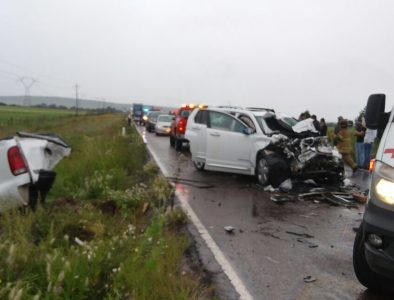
column 305, row 235
column 346, row 195
column 309, row 279
column 194, row 183
column 307, row 243
column 229, row 229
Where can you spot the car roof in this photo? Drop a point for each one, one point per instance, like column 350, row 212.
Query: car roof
column 254, row 111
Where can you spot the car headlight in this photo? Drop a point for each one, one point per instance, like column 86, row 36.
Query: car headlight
column 385, row 190
column 382, row 184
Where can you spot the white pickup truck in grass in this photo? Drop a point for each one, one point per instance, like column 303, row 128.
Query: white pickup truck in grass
column 27, row 161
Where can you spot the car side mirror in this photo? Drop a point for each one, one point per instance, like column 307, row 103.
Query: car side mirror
column 248, row 131
column 375, row 117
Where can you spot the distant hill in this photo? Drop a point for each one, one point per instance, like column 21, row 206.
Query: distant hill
column 67, row 102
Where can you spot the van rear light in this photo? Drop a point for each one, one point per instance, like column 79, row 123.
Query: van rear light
column 16, row 161
column 372, row 164
column 182, row 126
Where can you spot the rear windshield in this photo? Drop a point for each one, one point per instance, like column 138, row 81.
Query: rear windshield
column 154, row 114
column 185, row 113
column 165, row 118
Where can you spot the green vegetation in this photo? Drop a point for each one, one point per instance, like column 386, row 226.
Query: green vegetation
column 106, row 231
column 17, row 115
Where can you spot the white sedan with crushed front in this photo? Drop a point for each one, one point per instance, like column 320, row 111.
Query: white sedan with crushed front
column 260, row 142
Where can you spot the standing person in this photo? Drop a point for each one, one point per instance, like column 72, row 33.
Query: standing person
column 129, row 119
column 338, row 127
column 344, row 144
column 323, row 127
column 316, row 123
column 360, row 133
column 301, row 117
column 369, row 139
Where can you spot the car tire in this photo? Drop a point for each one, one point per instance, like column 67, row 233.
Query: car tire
column 178, row 145
column 271, row 170
column 172, row 141
column 262, row 171
column 200, row 166
column 364, row 273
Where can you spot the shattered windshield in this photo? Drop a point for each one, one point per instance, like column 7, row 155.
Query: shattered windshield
column 271, row 124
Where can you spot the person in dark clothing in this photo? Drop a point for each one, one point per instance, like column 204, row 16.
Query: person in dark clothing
column 323, row 127
column 302, row 117
column 359, row 133
column 338, row 127
column 316, row 123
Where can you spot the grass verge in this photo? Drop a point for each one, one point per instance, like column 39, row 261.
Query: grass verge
column 106, row 231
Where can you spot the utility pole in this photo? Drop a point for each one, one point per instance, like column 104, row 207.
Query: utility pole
column 27, row 83
column 76, row 99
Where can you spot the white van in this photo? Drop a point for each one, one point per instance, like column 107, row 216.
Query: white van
column 373, row 252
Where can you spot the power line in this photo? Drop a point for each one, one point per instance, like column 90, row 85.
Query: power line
column 27, row 83
column 76, row 99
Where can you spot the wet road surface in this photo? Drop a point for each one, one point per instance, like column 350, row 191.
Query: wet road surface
column 265, row 250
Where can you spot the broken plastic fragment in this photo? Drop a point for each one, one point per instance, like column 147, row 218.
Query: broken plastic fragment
column 229, row 229
column 269, row 188
column 282, row 198
column 305, row 235
column 286, row 185
column 309, row 279
column 308, row 243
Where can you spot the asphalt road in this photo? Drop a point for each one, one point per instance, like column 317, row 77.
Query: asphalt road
column 270, row 261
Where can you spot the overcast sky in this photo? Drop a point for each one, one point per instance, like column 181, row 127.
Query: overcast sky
column 291, row 55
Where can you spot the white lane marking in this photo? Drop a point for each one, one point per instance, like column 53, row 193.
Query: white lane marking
column 217, row 253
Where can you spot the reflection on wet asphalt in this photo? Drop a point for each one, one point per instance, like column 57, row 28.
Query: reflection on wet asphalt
column 271, row 261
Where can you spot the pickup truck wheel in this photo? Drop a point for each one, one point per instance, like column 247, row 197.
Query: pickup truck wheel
column 262, row 171
column 172, row 141
column 178, row 145
column 364, row 273
column 200, row 166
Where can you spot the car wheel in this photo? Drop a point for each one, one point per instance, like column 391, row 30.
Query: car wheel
column 172, row 141
column 200, row 166
column 364, row 273
column 262, row 171
column 178, row 145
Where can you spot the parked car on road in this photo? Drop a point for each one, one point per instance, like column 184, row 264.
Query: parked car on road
column 178, row 127
column 373, row 251
column 151, row 119
column 259, row 142
column 163, row 125
column 26, row 167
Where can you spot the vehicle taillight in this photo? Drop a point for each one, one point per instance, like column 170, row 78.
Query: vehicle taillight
column 372, row 163
column 16, row 161
column 182, row 126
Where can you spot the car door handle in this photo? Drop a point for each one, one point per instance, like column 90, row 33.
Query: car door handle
column 214, row 134
column 195, row 128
